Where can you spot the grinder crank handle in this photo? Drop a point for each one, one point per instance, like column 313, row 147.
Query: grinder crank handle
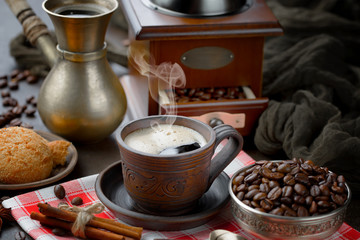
column 34, row 29
column 231, row 149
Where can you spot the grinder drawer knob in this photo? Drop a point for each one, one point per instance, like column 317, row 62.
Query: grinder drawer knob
column 215, row 122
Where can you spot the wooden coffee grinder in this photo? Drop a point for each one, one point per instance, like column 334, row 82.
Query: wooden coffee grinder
column 219, row 45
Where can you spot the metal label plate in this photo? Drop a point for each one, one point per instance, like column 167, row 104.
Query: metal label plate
column 207, row 58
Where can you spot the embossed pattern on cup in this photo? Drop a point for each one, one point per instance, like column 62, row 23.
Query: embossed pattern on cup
column 172, row 184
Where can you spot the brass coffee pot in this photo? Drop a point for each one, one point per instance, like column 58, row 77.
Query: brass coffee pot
column 81, row 98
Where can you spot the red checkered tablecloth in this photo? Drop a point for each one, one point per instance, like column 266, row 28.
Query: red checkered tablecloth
column 23, row 205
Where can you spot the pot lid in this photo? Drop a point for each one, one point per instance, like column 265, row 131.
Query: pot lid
column 198, row 8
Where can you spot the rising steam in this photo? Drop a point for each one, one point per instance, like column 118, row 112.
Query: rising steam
column 164, row 76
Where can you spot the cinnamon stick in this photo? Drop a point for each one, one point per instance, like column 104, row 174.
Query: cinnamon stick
column 90, row 232
column 108, row 224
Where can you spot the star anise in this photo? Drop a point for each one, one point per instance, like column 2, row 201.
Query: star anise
column 5, row 214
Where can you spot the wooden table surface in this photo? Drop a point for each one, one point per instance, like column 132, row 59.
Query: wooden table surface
column 93, row 158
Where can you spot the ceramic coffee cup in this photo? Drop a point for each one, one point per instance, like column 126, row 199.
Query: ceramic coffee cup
column 170, row 185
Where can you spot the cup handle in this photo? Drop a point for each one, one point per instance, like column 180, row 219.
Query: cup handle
column 227, row 153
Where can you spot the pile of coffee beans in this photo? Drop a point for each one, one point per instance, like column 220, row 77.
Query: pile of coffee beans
column 295, row 188
column 184, row 95
column 9, row 83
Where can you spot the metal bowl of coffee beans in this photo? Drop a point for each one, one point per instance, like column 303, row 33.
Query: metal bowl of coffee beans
column 289, row 199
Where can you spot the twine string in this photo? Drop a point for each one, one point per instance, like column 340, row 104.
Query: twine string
column 85, row 214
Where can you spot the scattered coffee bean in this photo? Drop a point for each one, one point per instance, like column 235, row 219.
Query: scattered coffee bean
column 59, row 191
column 77, row 201
column 31, row 79
column 20, row 235
column 13, row 85
column 21, row 76
column 34, row 102
column 30, row 112
column 16, row 122
column 14, row 73
column 26, row 125
column 17, row 110
column 290, row 188
column 3, row 83
column 58, row 231
column 5, row 94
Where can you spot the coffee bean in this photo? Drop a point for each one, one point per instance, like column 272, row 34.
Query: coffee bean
column 300, row 189
column 13, row 85
column 261, row 210
column 32, row 79
column 289, row 180
column 338, row 199
column 287, row 191
column 315, row 191
column 302, row 178
column 240, row 195
column 255, row 204
column 59, row 232
column 26, row 125
column 5, row 94
column 21, row 76
column 273, row 184
column 264, row 187
column 17, row 110
column 9, row 102
column 302, row 212
column 259, row 196
column 59, row 191
column 251, row 194
column 3, row 83
column 20, row 235
column 30, row 112
column 337, row 189
column 29, row 99
column 288, row 211
column 313, row 207
column 77, row 201
column 277, row 211
column 253, row 187
column 341, row 179
column 251, row 177
column 286, row 200
column 274, row 193
column 284, row 168
column 247, row 202
column 14, row 73
column 266, row 172
column 308, row 200
column 266, row 204
column 16, row 122
column 241, row 187
column 299, row 200
column 324, row 190
column 237, row 180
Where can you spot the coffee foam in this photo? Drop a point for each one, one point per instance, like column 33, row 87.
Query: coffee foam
column 155, row 139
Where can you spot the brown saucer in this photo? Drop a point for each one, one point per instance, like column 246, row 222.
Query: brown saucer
column 111, row 192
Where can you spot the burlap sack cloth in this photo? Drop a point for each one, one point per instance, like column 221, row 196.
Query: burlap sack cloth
column 311, row 76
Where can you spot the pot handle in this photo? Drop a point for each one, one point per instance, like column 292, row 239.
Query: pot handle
column 227, row 153
column 35, row 30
